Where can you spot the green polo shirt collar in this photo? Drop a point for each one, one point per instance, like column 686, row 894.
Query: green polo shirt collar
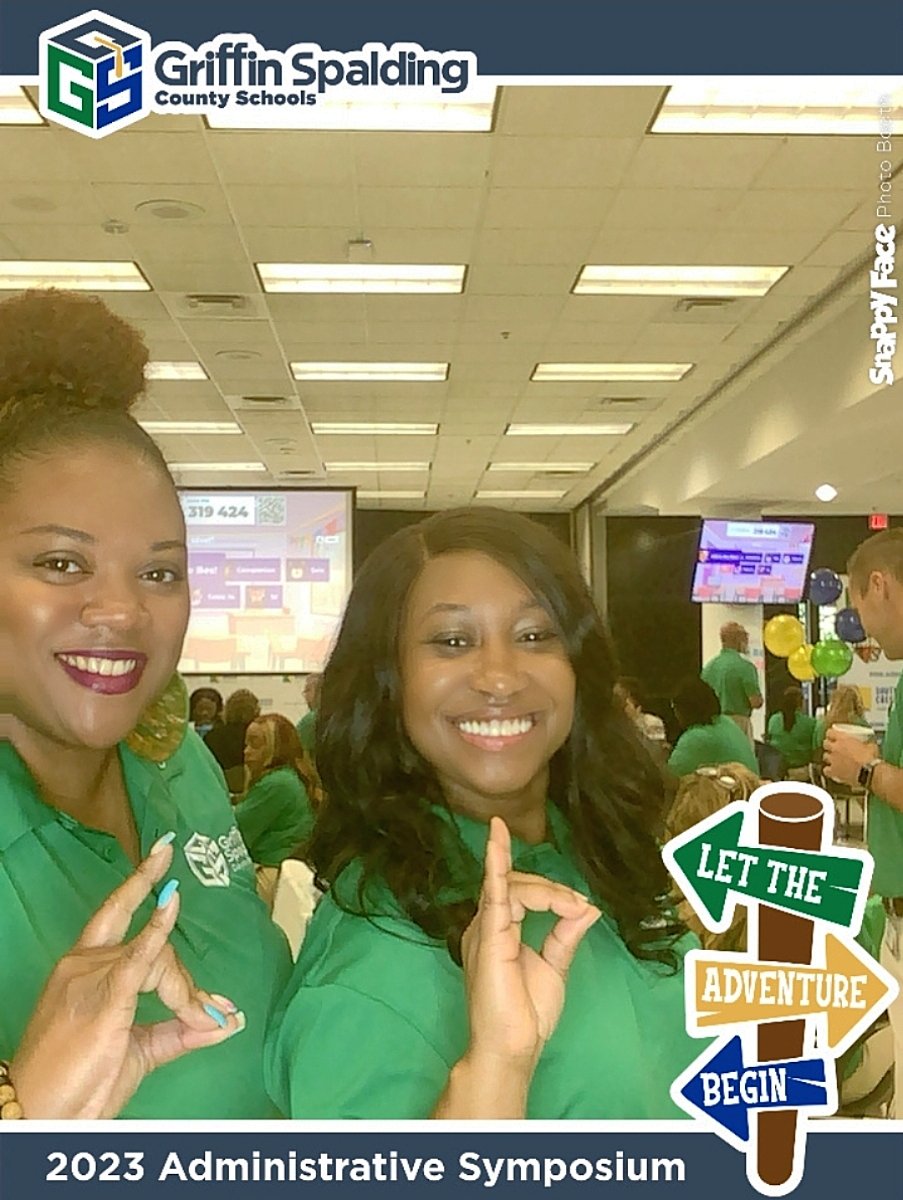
column 30, row 812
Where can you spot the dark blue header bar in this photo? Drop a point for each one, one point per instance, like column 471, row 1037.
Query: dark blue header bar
column 564, row 37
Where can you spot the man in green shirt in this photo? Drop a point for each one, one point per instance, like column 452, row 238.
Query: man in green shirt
column 733, row 678
column 876, row 589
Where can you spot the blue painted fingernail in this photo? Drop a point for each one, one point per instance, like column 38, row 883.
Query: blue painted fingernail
column 165, row 840
column 167, row 892
column 216, row 1015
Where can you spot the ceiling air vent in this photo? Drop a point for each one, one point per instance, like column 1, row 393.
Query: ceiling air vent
column 213, row 303
column 698, row 303
column 268, row 401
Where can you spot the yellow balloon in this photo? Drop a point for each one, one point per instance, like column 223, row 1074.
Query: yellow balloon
column 799, row 664
column 783, row 635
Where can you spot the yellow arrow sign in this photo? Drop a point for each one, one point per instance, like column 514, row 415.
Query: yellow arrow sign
column 730, row 989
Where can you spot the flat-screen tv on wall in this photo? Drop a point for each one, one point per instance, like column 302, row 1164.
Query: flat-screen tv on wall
column 269, row 572
column 752, row 562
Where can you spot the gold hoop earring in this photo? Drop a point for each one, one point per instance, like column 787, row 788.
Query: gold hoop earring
column 161, row 728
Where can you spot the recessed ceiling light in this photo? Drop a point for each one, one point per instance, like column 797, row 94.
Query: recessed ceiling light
column 181, row 427
column 376, row 428
column 217, row 466
column 608, row 429
column 421, row 109
column 360, row 277
column 776, row 105
column 587, row 372
column 350, row 467
column 411, row 372
column 171, row 210
column 568, row 468
column 826, row 492
column 73, row 276
column 677, row 281
column 16, row 108
column 362, row 494
column 540, row 495
column 174, row 370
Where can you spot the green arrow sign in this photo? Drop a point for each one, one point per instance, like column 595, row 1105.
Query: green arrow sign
column 709, row 863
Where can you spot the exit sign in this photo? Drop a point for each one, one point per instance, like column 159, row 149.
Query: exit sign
column 878, row 521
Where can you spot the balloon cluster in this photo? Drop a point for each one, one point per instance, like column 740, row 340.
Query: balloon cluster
column 831, row 657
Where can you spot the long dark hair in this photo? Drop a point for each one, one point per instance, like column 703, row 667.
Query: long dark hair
column 791, row 703
column 382, row 796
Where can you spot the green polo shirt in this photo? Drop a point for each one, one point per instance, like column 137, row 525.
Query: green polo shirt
column 797, row 743
column 885, row 824
column 734, row 680
column 375, row 1016
column 711, row 745
column 307, row 731
column 55, row 872
column 275, row 816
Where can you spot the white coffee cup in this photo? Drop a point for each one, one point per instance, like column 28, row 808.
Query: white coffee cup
column 861, row 733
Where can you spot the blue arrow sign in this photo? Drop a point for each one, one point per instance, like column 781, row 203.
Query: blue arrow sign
column 726, row 1089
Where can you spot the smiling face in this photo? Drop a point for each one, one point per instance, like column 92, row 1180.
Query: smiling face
column 94, row 603
column 487, row 688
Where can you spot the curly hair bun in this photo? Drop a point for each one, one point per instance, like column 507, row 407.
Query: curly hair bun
column 68, row 348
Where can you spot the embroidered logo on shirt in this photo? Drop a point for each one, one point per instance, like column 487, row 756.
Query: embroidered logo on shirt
column 207, row 861
column 235, row 851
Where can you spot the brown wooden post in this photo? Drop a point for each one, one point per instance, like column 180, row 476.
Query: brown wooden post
column 793, row 820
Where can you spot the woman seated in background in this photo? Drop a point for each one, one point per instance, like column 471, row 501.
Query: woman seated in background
column 709, row 738
column 276, row 815
column 205, row 709
column 791, row 731
column 844, row 708
column 226, row 741
column 707, row 791
column 480, row 686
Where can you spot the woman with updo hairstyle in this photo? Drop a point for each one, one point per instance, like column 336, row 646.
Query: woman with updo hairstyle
column 126, row 890
column 130, row 926
column 470, row 689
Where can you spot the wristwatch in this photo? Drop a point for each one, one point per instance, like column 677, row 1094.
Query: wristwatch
column 866, row 772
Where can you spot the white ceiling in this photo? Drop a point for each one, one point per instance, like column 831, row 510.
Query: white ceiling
column 568, row 176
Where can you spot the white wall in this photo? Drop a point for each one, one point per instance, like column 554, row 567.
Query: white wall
column 277, row 693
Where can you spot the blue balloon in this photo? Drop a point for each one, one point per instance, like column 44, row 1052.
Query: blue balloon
column 848, row 627
column 824, row 586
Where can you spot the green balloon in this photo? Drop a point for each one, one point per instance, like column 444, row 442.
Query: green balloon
column 831, row 658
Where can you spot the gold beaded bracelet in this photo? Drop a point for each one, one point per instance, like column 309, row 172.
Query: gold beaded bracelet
column 10, row 1108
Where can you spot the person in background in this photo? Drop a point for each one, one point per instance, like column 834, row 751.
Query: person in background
column 709, row 737
column 844, row 708
column 93, row 610
column 629, row 691
column 876, row 589
column 205, row 709
column 226, row 741
column 791, row 731
column 733, row 678
column 475, row 699
column 307, row 726
column 276, row 815
column 700, row 795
